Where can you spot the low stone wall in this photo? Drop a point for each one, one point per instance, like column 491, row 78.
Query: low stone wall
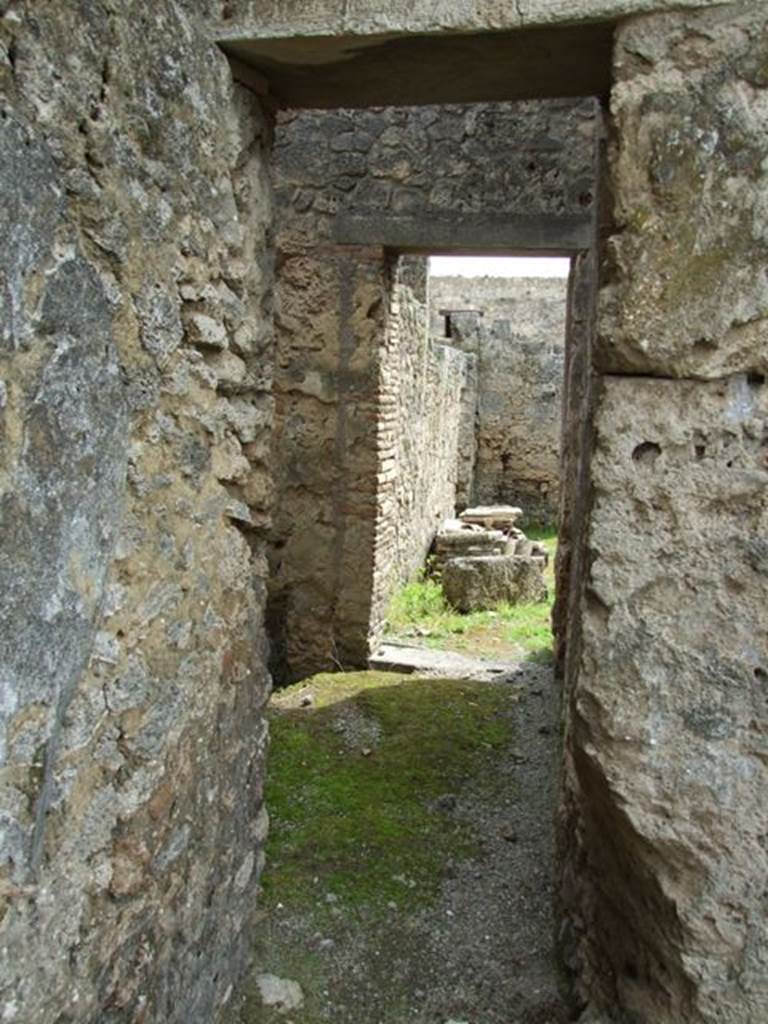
column 427, row 408
column 519, row 343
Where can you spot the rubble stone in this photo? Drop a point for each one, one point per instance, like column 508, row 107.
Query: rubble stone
column 456, row 539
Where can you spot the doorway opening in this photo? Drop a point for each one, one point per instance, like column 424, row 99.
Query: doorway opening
column 476, row 357
column 383, row 780
column 362, row 197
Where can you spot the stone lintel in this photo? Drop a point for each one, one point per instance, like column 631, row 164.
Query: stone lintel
column 291, row 19
column 391, row 69
column 514, row 235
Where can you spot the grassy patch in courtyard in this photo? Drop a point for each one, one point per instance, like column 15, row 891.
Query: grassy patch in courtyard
column 359, row 781
column 419, row 613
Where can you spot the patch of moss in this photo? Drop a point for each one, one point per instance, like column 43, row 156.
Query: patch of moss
column 356, row 780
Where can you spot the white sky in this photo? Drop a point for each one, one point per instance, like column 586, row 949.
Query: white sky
column 499, row 266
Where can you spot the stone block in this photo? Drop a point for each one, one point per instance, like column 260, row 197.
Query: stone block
column 477, row 584
column 456, row 539
column 492, row 517
column 670, row 724
column 688, row 295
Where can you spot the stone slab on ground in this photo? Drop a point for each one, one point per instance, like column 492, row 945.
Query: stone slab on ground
column 404, row 658
column 493, row 517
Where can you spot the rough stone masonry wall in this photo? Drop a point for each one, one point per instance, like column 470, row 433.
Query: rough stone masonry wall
column 330, row 319
column 428, row 401
column 520, row 346
column 667, row 721
column 451, row 164
column 135, row 363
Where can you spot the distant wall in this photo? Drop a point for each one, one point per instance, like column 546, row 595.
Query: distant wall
column 519, row 343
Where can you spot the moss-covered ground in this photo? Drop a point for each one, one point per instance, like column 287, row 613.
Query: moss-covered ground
column 419, row 613
column 408, row 873
column 405, row 872
column 356, row 779
column 410, row 856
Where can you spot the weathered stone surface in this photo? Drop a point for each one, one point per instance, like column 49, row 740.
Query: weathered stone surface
column 333, row 17
column 491, row 160
column 689, row 295
column 493, row 517
column 331, row 55
column 669, row 720
column 282, row 993
column 456, row 539
column 330, row 317
column 484, row 581
column 135, row 419
column 132, row 646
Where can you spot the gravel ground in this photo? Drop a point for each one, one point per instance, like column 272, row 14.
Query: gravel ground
column 481, row 953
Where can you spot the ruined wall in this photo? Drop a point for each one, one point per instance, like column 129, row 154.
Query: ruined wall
column 426, row 166
column 135, row 363
column 667, row 757
column 520, row 347
column 427, row 407
column 134, row 392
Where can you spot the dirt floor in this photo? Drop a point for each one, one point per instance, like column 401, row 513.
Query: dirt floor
column 409, row 873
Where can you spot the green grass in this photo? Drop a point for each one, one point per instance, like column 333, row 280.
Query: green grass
column 419, row 611
column 355, row 817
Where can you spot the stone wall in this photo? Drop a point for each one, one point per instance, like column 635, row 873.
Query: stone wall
column 343, row 179
column 135, row 413
column 427, row 407
column 520, row 346
column 534, row 306
column 485, row 159
column 666, row 771
column 330, row 319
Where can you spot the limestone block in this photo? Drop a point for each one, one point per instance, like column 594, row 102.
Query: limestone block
column 456, row 539
column 475, row 584
column 333, row 17
column 670, row 712
column 690, row 170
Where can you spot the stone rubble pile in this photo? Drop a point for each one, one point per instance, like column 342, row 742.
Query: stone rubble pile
column 484, row 559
